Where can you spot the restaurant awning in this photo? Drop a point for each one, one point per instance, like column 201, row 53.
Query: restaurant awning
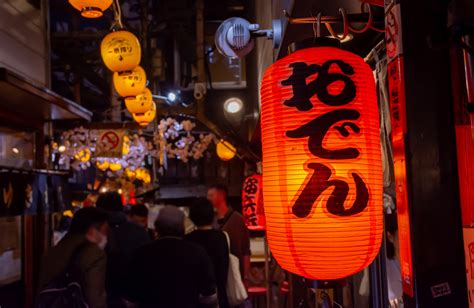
column 29, row 101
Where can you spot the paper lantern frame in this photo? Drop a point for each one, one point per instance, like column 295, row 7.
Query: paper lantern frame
column 322, row 172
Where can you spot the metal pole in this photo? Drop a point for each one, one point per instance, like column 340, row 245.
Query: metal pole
column 268, row 285
column 469, row 77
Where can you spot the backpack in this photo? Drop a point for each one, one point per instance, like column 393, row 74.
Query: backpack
column 65, row 291
column 236, row 292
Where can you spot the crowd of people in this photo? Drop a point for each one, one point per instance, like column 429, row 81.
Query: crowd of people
column 117, row 261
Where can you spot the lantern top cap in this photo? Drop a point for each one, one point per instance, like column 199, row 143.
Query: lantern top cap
column 314, row 42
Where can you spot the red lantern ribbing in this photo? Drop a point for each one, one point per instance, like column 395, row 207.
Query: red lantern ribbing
column 252, row 203
column 322, row 170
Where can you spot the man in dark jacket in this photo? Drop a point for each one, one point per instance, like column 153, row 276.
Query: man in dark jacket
column 171, row 272
column 125, row 237
column 86, row 240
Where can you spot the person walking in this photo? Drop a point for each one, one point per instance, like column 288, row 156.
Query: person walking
column 233, row 223
column 125, row 237
column 83, row 245
column 214, row 242
column 171, row 272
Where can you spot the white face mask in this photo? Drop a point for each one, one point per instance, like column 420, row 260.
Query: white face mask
column 102, row 242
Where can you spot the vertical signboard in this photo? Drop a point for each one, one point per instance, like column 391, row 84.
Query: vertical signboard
column 396, row 86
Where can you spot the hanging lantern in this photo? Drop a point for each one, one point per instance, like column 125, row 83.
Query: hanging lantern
column 83, row 155
column 141, row 103
column 102, row 165
column 141, row 173
column 225, row 150
column 143, row 119
column 252, row 203
column 120, row 51
column 130, row 84
column 91, row 8
column 322, row 171
column 115, row 167
column 146, row 178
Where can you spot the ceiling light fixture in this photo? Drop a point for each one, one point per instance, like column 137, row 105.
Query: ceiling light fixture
column 233, row 105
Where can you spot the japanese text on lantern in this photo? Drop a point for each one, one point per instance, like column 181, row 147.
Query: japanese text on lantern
column 252, row 202
column 319, row 179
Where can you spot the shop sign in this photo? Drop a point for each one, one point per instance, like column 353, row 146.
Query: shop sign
column 395, row 75
column 110, row 143
column 469, row 257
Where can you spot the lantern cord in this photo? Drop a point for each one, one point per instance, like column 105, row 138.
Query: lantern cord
column 317, row 26
column 117, row 15
column 366, row 16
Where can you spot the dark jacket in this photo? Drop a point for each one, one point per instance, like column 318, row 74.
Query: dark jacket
column 171, row 273
column 92, row 263
column 125, row 237
column 215, row 244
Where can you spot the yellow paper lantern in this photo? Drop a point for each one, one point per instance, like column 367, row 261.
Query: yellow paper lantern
column 126, row 145
column 146, row 178
column 141, row 103
column 115, row 166
column 102, row 165
column 120, row 51
column 140, row 173
column 91, row 8
column 143, row 119
column 131, row 175
column 225, row 150
column 83, row 155
column 130, row 84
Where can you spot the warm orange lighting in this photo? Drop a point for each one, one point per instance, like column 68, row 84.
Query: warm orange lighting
column 225, row 150
column 120, row 51
column 91, row 8
column 83, row 155
column 322, row 171
column 126, row 145
column 141, row 103
column 102, row 165
column 143, row 119
column 115, row 166
column 130, row 84
column 252, row 203
column 131, row 175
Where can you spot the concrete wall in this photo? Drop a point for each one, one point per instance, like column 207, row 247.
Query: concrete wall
column 22, row 44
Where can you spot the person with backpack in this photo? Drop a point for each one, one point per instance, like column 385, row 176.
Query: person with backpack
column 73, row 272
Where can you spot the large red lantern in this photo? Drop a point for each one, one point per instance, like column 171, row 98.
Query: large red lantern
column 252, row 203
column 322, row 171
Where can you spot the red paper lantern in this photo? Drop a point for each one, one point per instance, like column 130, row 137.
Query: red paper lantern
column 322, row 170
column 252, row 203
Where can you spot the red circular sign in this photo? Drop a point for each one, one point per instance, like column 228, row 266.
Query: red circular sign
column 110, row 138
